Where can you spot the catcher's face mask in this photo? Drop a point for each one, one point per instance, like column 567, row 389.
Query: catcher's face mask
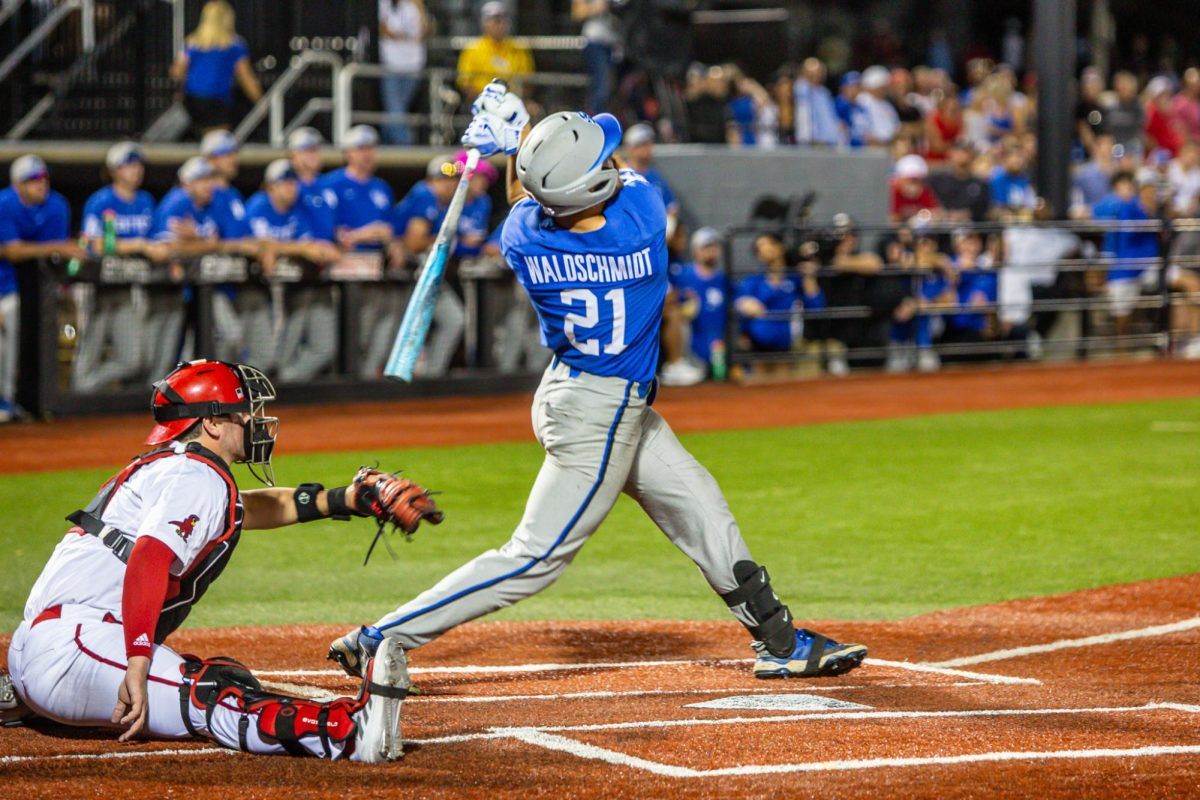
column 259, row 430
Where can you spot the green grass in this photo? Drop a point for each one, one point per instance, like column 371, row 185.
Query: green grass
column 857, row 520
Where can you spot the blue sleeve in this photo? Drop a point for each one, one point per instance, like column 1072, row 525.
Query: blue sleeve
column 240, row 50
column 8, row 226
column 747, row 288
column 92, row 225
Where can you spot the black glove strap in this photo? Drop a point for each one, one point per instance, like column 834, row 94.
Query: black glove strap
column 305, row 498
column 338, row 508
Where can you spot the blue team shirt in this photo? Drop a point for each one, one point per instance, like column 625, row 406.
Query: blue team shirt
column 855, row 118
column 708, row 326
column 659, row 182
column 598, row 295
column 267, row 222
column 973, row 282
column 230, row 210
column 210, row 73
column 177, row 205
column 48, row 222
column 319, row 212
column 476, row 215
column 1013, row 191
column 419, row 203
column 357, row 203
column 131, row 219
column 773, row 332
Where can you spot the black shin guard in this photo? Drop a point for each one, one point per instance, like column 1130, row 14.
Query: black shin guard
column 772, row 619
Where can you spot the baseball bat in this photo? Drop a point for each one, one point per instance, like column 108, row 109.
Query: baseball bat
column 418, row 315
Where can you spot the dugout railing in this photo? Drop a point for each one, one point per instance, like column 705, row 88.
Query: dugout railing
column 857, row 324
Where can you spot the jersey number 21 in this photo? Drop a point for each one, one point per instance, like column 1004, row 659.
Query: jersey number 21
column 591, row 316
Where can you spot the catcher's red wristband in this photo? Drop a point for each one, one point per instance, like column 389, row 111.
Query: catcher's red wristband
column 146, row 578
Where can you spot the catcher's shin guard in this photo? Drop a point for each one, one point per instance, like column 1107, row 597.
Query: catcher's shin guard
column 301, row 727
column 765, row 615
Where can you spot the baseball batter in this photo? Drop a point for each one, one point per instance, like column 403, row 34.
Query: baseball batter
column 586, row 239
column 90, row 650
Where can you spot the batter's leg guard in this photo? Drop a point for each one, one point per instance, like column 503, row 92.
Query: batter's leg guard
column 301, row 727
column 12, row 711
column 765, row 616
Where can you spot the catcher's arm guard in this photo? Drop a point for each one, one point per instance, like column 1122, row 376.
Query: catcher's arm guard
column 392, row 500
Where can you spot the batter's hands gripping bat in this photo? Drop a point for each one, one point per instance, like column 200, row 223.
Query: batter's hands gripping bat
column 410, row 339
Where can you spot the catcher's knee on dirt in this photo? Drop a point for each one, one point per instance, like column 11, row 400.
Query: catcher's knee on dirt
column 771, row 620
column 214, row 683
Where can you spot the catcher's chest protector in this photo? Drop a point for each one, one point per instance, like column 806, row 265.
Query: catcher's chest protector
column 186, row 590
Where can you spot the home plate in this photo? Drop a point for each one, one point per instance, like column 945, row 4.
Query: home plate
column 778, row 702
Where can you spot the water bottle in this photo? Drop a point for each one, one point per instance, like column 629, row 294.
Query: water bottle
column 74, row 264
column 717, row 360
column 110, row 232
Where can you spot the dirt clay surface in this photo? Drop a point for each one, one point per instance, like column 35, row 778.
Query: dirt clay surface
column 1102, row 701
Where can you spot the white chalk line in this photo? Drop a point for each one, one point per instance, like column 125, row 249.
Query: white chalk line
column 592, row 752
column 518, row 669
column 199, row 751
column 1065, row 644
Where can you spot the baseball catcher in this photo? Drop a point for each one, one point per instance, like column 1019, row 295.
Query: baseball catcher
column 90, row 649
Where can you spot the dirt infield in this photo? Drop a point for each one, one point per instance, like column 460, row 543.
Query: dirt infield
column 1104, row 701
column 106, row 441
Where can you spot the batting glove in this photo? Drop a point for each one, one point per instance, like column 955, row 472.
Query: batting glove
column 484, row 134
column 507, row 109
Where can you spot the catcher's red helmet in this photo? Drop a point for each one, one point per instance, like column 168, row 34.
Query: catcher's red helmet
column 201, row 389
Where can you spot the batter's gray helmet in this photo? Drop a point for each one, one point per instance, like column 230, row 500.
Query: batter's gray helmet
column 561, row 162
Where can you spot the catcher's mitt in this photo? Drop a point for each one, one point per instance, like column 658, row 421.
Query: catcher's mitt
column 393, row 500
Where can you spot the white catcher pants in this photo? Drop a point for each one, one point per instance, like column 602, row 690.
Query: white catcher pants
column 601, row 438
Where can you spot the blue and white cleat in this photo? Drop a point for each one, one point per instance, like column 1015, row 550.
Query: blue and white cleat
column 814, row 656
column 352, row 650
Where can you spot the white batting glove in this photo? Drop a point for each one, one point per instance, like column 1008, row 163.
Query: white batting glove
column 508, row 111
column 484, row 134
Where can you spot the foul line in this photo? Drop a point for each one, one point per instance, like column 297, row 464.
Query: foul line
column 941, row 669
column 589, row 751
column 199, row 751
column 1064, row 644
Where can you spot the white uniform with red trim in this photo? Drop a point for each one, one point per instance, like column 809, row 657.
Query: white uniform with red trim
column 67, row 658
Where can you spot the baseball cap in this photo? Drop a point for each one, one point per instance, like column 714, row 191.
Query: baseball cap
column 493, row 8
column 442, row 166
column 28, row 168
column 705, row 237
column 218, row 143
column 360, row 136
column 484, row 168
column 639, row 134
column 194, row 169
column 876, row 77
column 1159, row 84
column 1146, row 176
column 122, row 153
column 279, row 170
column 911, row 166
column 851, row 78
column 304, row 139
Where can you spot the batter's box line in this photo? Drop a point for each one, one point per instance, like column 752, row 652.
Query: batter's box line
column 551, row 739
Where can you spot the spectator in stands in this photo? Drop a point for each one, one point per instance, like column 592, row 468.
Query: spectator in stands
column 418, row 216
column 1125, row 117
column 35, row 222
column 362, row 223
column 281, row 223
column 602, row 35
column 883, row 123
column 1163, row 129
column 1184, row 175
column 753, row 115
column 783, row 93
column 814, row 114
column 214, row 58
column 900, row 94
column 964, row 196
column 403, row 28
column 1186, row 104
column 977, row 288
column 493, row 55
column 702, row 288
column 475, row 222
column 1093, row 179
column 1134, row 199
column 116, row 219
column 943, row 126
column 638, row 146
column 1011, row 187
column 915, row 326
column 1030, row 272
column 707, row 96
column 1089, row 114
column 852, row 117
column 768, row 303
column 1005, row 109
column 304, row 151
column 911, row 195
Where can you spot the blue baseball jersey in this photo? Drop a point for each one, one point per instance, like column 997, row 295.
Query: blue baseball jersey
column 318, row 211
column 657, row 180
column 598, row 295
column 230, row 210
column 476, row 215
column 773, row 332
column 972, row 284
column 708, row 326
column 131, row 218
column 177, row 205
column 357, row 203
column 48, row 222
column 419, row 203
column 268, row 222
